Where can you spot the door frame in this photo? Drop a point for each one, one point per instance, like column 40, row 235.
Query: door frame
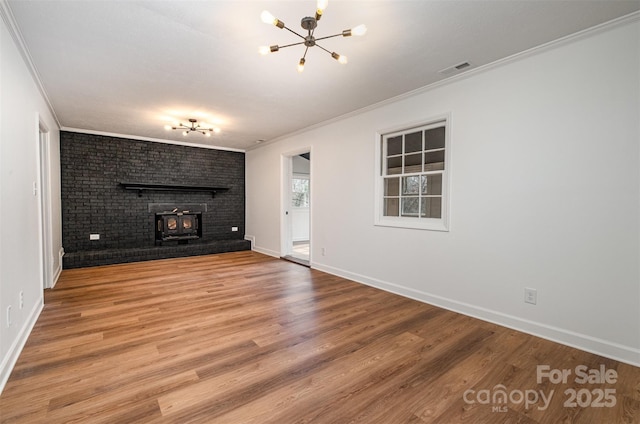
column 44, row 207
column 286, row 175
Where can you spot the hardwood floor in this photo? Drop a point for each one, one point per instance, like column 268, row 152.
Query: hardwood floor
column 245, row 338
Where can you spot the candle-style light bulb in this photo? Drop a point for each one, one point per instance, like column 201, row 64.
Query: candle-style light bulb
column 321, row 5
column 267, row 17
column 359, row 30
column 339, row 58
column 264, row 50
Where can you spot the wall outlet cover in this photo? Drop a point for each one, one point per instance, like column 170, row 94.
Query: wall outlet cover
column 530, row 296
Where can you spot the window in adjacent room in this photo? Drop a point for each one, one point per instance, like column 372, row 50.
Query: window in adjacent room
column 300, row 191
column 413, row 183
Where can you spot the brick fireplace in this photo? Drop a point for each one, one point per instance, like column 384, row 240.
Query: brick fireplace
column 95, row 203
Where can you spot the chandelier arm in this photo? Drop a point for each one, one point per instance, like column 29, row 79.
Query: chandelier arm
column 318, row 45
column 289, row 45
column 305, row 52
column 328, row 36
column 290, row 30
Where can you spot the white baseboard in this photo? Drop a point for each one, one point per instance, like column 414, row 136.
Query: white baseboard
column 259, row 249
column 267, row 252
column 10, row 359
column 56, row 276
column 584, row 342
column 58, row 270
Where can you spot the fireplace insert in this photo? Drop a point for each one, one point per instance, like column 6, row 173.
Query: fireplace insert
column 181, row 226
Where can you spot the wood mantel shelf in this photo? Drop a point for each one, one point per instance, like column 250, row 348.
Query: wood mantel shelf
column 140, row 187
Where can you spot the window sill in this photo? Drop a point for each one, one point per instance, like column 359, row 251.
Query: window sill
column 409, row 223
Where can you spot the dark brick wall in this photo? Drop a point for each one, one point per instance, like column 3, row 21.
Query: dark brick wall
column 93, row 202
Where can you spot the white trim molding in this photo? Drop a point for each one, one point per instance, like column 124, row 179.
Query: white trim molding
column 58, row 269
column 9, row 361
column 259, row 249
column 151, row 139
column 7, row 16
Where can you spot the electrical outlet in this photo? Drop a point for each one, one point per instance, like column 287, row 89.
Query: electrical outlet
column 9, row 316
column 530, row 296
column 234, row 228
column 324, row 251
column 21, row 300
column 94, row 236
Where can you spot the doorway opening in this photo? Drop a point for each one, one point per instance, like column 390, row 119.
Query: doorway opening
column 297, row 208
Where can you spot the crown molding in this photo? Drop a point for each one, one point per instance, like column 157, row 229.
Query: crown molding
column 151, row 139
column 16, row 35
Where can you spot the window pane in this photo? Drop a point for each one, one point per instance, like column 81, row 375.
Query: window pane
column 434, row 161
column 299, row 200
column 431, row 184
column 300, row 192
column 413, row 142
column 394, row 165
column 300, row 185
column 412, row 163
column 413, row 177
column 391, row 207
column 434, row 138
column 431, row 207
column 411, row 185
column 392, row 186
column 410, row 206
column 394, row 146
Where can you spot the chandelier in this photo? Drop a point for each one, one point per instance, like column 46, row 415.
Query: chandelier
column 309, row 24
column 193, row 126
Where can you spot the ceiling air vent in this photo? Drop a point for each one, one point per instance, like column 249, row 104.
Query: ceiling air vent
column 455, row 68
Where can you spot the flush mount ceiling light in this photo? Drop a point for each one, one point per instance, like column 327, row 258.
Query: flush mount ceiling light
column 193, row 126
column 309, row 24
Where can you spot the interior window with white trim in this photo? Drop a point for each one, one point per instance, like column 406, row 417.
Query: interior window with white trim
column 300, row 191
column 414, row 177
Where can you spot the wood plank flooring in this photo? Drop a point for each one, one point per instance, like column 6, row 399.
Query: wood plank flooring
column 245, row 338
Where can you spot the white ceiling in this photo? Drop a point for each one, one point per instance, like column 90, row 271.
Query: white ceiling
column 130, row 67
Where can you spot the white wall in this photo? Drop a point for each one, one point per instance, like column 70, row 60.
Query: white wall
column 545, row 194
column 22, row 109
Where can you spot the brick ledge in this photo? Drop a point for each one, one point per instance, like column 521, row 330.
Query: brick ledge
column 116, row 256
